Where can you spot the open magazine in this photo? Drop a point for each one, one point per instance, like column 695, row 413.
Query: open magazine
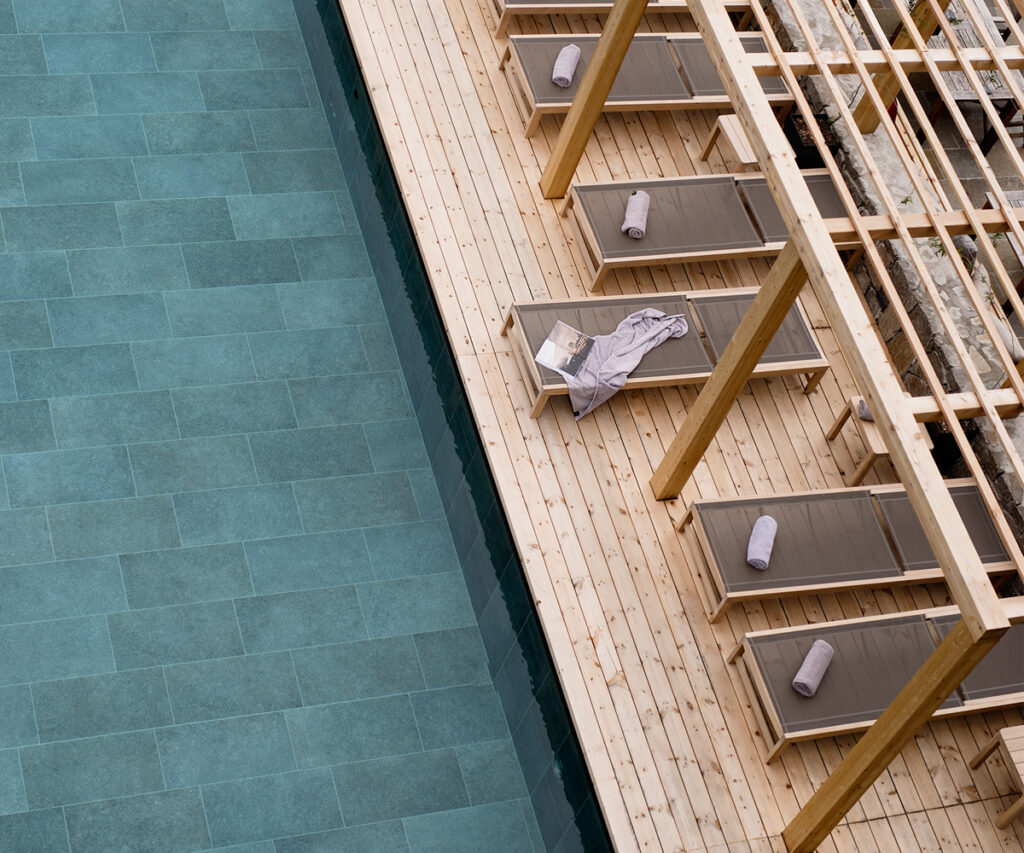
column 565, row 349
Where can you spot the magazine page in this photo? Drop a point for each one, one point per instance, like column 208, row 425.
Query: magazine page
column 565, row 349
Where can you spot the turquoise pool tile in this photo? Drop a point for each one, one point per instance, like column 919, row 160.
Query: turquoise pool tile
column 135, row 270
column 253, row 90
column 196, row 15
column 24, row 325
column 54, row 16
column 60, row 226
column 335, row 302
column 396, row 445
column 34, row 832
column 7, row 21
column 113, row 527
column 190, row 175
column 22, row 55
column 206, row 51
column 46, row 95
column 271, row 806
column 192, row 464
column 64, row 181
column 252, row 847
column 107, row 319
column 404, row 550
column 258, row 217
column 224, row 310
column 387, row 837
column 379, row 346
column 416, row 605
column 237, row 262
column 64, row 137
column 113, row 419
column 169, row 821
column 359, row 501
column 232, row 687
column 218, row 751
column 66, row 371
column 192, row 361
column 492, row 772
column 101, row 704
column 155, row 92
column 219, row 409
column 497, row 828
column 339, row 256
column 34, row 275
column 25, row 427
column 400, row 786
column 459, row 715
column 289, row 130
column 12, row 192
column 12, row 788
column 43, row 591
column 185, row 575
column 310, row 453
column 17, row 718
column 360, row 670
column 61, row 648
column 178, row 634
column 308, row 352
column 452, row 657
column 290, row 620
column 260, row 15
column 353, row 731
column 16, row 141
column 294, row 171
column 68, row 476
column 227, row 515
column 24, row 537
column 174, row 221
column 282, row 49
column 8, row 392
column 310, row 561
column 199, row 133
column 98, row 53
column 343, row 399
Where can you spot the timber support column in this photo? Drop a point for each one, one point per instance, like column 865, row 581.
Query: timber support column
column 586, row 107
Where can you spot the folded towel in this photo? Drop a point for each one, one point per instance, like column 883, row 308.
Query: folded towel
column 863, row 412
column 565, row 66
column 812, row 670
column 634, row 223
column 762, row 540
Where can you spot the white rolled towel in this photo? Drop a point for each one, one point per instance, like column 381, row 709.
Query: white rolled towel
column 812, row 670
column 863, row 412
column 762, row 540
column 565, row 66
column 634, row 223
column 1009, row 339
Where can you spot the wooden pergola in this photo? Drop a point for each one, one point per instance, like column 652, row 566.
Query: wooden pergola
column 811, row 256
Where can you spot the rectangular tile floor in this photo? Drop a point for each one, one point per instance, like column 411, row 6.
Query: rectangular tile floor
column 231, row 614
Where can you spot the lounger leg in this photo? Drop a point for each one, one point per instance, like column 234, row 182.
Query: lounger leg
column 838, row 425
column 813, row 379
column 1011, row 814
column 538, row 405
column 775, row 751
column 862, row 470
column 719, row 611
column 533, row 123
column 990, row 746
column 715, row 130
column 499, row 30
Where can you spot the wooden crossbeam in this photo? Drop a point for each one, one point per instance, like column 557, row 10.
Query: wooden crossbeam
column 882, row 227
column 967, row 405
column 875, row 61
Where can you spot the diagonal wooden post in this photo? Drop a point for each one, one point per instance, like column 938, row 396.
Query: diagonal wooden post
column 744, row 350
column 586, row 107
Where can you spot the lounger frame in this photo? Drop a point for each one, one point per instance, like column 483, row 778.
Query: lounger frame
column 813, row 369
column 718, row 599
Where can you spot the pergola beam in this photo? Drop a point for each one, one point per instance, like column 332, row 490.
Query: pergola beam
column 882, row 227
column 911, row 61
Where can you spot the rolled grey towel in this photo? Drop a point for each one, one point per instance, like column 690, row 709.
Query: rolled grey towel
column 565, row 66
column 634, row 223
column 762, row 540
column 863, row 412
column 813, row 669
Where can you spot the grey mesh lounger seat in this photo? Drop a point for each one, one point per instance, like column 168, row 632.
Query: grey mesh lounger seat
column 840, row 539
column 692, row 219
column 874, row 658
column 653, row 76
column 711, row 314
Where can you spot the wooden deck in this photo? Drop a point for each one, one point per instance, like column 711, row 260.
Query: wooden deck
column 662, row 717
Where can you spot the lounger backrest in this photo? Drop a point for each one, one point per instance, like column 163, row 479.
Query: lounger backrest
column 648, row 73
column 720, row 315
column 765, row 211
column 911, row 543
column 832, row 536
column 873, row 661
column 699, row 72
column 687, row 215
column 1001, row 671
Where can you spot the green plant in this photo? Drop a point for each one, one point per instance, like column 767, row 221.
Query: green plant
column 907, row 199
column 937, row 246
column 999, row 235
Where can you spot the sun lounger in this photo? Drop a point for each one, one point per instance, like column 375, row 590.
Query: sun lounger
column 660, row 72
column 712, row 316
column 874, row 658
column 841, row 539
column 692, row 219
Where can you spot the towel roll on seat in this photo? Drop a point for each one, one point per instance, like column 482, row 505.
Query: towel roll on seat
column 634, row 222
column 565, row 66
column 762, row 540
column 812, row 670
